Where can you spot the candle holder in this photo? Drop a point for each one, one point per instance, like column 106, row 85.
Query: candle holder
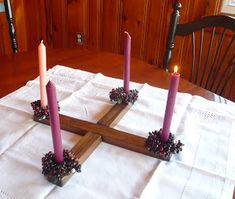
column 155, row 145
column 119, row 96
column 39, row 112
column 59, row 173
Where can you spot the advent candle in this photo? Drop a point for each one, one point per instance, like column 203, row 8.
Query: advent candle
column 127, row 57
column 42, row 73
column 173, row 88
column 54, row 121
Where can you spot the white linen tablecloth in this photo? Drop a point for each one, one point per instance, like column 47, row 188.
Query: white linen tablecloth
column 204, row 169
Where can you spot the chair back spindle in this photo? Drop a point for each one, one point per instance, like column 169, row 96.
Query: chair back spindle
column 208, row 56
column 171, row 36
column 200, row 55
column 12, row 32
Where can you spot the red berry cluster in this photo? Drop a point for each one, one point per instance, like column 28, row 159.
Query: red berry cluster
column 155, row 144
column 54, row 169
column 38, row 111
column 119, row 96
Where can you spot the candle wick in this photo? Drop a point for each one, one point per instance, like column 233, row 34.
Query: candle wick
column 127, row 33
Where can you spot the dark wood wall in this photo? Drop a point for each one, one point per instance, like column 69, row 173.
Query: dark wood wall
column 102, row 23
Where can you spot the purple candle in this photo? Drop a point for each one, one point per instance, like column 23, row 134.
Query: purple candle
column 127, row 56
column 173, row 88
column 54, row 121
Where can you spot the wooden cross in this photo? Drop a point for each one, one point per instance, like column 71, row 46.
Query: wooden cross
column 94, row 134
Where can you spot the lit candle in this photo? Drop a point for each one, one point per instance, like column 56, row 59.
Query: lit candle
column 173, row 88
column 42, row 73
column 54, row 121
column 127, row 56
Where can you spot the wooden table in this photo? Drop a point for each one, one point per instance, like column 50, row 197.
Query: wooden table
column 17, row 69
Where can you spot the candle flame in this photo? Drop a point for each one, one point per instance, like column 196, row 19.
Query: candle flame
column 175, row 69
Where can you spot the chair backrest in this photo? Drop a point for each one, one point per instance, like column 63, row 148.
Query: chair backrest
column 12, row 32
column 212, row 59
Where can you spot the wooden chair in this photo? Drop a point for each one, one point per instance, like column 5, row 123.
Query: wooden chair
column 212, row 59
column 12, row 32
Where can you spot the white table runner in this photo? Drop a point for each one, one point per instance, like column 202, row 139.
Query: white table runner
column 204, row 169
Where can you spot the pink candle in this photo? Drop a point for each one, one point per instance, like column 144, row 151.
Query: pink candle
column 127, row 56
column 42, row 73
column 54, row 121
column 173, row 88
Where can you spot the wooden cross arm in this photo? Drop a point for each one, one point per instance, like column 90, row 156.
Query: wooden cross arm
column 108, row 135
column 86, row 146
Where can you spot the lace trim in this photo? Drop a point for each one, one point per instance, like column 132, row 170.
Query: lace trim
column 206, row 116
column 4, row 194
